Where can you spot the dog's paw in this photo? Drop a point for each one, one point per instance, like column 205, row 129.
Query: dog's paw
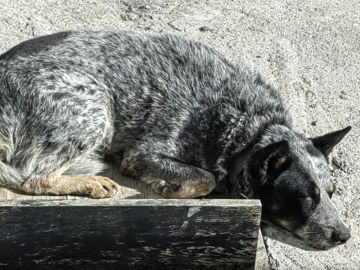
column 164, row 189
column 98, row 187
column 185, row 190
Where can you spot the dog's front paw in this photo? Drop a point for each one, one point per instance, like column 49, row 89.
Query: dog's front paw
column 187, row 189
column 164, row 189
column 98, row 187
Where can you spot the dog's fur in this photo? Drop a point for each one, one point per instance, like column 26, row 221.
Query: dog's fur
column 176, row 115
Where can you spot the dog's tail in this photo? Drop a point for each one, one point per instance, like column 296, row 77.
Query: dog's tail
column 10, row 177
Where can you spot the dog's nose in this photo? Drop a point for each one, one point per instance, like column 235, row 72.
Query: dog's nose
column 341, row 236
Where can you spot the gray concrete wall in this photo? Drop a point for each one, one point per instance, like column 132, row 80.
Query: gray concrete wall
column 308, row 49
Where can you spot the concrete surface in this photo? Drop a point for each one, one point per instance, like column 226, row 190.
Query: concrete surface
column 308, row 49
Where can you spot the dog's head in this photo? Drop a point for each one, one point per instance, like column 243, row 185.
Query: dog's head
column 290, row 175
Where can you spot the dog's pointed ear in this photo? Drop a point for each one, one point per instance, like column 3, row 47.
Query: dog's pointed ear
column 327, row 142
column 268, row 162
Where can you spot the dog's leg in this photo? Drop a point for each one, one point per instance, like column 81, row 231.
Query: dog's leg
column 169, row 178
column 92, row 186
column 67, row 129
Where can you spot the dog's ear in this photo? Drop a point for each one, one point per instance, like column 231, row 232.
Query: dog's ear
column 268, row 162
column 327, row 142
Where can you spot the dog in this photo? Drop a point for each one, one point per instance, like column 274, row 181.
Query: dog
column 174, row 113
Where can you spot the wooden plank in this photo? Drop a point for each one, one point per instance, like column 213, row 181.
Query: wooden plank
column 129, row 234
column 129, row 189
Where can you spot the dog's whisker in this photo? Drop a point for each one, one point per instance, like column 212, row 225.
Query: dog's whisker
column 243, row 195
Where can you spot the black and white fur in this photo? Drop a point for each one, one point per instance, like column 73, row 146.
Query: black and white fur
column 174, row 113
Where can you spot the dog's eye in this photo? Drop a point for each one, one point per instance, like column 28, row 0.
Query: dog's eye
column 307, row 203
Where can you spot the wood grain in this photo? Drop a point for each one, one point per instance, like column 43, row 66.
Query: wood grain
column 129, row 234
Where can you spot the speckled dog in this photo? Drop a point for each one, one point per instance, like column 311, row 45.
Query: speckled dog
column 175, row 113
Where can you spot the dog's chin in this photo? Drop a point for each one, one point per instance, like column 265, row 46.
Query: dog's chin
column 280, row 234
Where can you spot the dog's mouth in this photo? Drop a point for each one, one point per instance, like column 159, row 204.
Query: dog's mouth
column 283, row 235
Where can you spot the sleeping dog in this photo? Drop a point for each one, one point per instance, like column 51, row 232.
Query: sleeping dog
column 176, row 115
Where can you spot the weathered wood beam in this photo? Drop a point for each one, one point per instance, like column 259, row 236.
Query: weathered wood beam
column 129, row 234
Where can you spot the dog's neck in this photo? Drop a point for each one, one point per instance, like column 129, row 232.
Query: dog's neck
column 234, row 180
column 237, row 141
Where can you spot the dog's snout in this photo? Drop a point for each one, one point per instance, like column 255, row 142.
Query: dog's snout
column 340, row 236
